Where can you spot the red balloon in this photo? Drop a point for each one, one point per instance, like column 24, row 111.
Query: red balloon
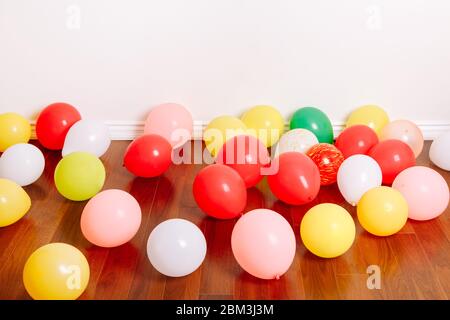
column 54, row 122
column 247, row 155
column 358, row 139
column 328, row 159
column 393, row 156
column 148, row 156
column 220, row 192
column 297, row 180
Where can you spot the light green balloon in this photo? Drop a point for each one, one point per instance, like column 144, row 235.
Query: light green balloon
column 79, row 176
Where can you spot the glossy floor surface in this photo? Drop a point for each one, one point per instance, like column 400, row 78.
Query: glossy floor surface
column 414, row 264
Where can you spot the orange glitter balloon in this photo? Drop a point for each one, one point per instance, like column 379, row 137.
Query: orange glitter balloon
column 328, row 159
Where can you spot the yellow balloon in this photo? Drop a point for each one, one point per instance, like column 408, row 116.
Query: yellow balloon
column 327, row 230
column 266, row 122
column 56, row 271
column 382, row 211
column 221, row 129
column 14, row 202
column 13, row 129
column 370, row 115
column 79, row 176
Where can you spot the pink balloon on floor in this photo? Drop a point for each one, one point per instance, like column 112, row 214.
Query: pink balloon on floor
column 425, row 190
column 263, row 243
column 171, row 121
column 406, row 131
column 111, row 218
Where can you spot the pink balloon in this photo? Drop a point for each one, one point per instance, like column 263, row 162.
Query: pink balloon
column 405, row 131
column 171, row 121
column 425, row 190
column 111, row 218
column 263, row 243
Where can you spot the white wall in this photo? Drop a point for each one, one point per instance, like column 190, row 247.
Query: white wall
column 114, row 59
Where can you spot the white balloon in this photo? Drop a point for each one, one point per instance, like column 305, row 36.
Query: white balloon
column 440, row 151
column 357, row 175
column 89, row 136
column 296, row 140
column 22, row 163
column 176, row 247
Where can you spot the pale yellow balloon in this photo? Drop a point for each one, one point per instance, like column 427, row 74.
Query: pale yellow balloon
column 265, row 122
column 56, row 271
column 79, row 176
column 370, row 115
column 382, row 211
column 327, row 230
column 221, row 129
column 14, row 202
column 14, row 129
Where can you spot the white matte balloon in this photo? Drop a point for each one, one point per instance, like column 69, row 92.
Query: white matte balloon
column 22, row 163
column 89, row 136
column 176, row 247
column 357, row 175
column 440, row 151
column 296, row 140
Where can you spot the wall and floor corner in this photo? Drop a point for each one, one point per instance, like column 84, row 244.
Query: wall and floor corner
column 129, row 130
column 115, row 59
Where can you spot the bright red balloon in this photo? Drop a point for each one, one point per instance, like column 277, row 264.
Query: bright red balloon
column 148, row 156
column 328, row 159
column 393, row 156
column 247, row 155
column 220, row 192
column 357, row 139
column 54, row 122
column 297, row 180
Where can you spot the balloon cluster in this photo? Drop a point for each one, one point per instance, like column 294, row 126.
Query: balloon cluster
column 371, row 151
column 372, row 161
column 168, row 126
column 80, row 174
column 241, row 156
column 111, row 217
column 57, row 270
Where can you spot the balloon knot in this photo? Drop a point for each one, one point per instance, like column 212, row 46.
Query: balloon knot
column 277, row 277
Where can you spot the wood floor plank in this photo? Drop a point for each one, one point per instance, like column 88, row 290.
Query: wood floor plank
column 437, row 248
column 354, row 287
column 219, row 269
column 415, row 268
column 371, row 251
column 147, row 283
column 319, row 278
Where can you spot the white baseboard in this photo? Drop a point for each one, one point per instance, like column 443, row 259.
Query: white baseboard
column 129, row 130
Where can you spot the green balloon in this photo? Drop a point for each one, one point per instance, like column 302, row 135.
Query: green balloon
column 314, row 120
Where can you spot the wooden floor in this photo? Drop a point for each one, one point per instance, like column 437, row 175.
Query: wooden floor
column 415, row 263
